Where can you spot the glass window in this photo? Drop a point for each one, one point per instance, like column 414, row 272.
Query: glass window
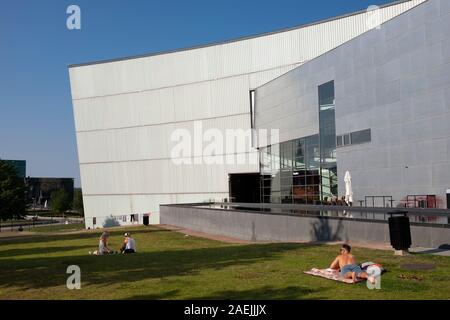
column 299, row 145
column 303, row 170
column 322, row 185
column 275, row 197
column 326, row 95
column 312, row 152
column 361, row 136
column 346, row 139
column 299, row 163
column 339, row 141
column 286, row 155
column 252, row 108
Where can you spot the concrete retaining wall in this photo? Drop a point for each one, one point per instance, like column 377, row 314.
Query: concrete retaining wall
column 256, row 226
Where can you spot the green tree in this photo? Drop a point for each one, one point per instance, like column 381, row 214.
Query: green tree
column 78, row 201
column 60, row 201
column 12, row 192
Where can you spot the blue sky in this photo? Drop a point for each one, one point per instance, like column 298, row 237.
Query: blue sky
column 36, row 119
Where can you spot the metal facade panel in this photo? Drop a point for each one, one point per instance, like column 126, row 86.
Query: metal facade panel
column 159, row 176
column 139, row 143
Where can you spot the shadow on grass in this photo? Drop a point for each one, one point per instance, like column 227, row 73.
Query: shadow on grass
column 161, row 296
column 38, row 238
column 264, row 293
column 288, row 293
column 40, row 250
column 114, row 269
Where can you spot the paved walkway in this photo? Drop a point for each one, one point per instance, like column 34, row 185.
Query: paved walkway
column 439, row 252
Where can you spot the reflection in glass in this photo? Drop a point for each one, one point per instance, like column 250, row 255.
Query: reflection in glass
column 303, row 170
column 327, row 134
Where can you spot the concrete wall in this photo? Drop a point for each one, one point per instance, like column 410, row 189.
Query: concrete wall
column 275, row 227
column 394, row 81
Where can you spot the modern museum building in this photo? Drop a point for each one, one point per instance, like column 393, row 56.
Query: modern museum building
column 366, row 93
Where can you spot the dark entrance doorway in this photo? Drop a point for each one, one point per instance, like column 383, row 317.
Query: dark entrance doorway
column 448, row 204
column 244, row 187
column 448, row 199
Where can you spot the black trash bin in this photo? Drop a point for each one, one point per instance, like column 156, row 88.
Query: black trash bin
column 399, row 231
column 146, row 220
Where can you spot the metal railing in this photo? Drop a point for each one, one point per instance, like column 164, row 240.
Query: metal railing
column 307, row 207
column 417, row 215
column 374, row 199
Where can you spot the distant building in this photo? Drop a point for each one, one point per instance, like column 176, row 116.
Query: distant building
column 41, row 189
column 20, row 165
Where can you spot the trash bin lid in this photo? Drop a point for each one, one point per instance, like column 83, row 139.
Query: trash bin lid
column 399, row 212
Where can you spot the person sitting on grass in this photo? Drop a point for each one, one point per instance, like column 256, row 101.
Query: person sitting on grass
column 103, row 245
column 129, row 244
column 345, row 262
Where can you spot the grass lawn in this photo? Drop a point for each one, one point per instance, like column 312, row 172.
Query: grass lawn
column 172, row 266
column 58, row 228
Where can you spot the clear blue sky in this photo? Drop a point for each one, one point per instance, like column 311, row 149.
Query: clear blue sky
column 36, row 119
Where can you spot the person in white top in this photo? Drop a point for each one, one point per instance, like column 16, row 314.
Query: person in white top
column 129, row 244
column 103, row 245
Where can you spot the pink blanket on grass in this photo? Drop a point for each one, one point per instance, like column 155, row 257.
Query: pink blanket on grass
column 329, row 274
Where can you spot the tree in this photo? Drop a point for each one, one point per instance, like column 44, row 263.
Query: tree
column 12, row 192
column 78, row 201
column 60, row 201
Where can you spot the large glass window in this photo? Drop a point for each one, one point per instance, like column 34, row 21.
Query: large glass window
column 327, row 134
column 303, row 170
column 296, row 178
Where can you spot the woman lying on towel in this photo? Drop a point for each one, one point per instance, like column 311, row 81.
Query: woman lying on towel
column 345, row 262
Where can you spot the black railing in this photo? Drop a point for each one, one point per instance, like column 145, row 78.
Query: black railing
column 417, row 215
column 371, row 200
column 308, row 207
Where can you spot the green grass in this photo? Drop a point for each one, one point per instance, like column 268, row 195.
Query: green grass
column 58, row 228
column 172, row 266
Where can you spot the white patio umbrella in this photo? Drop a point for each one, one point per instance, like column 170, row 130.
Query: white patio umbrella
column 348, row 188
